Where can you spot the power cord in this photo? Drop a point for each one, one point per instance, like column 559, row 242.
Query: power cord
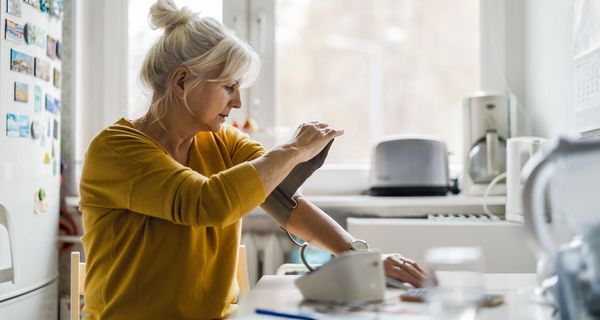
column 491, row 185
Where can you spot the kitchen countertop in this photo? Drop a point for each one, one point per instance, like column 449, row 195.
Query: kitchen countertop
column 279, row 293
column 452, row 202
column 410, row 207
column 440, row 204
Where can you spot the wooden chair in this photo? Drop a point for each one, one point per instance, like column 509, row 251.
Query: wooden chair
column 77, row 283
column 78, row 279
column 242, row 273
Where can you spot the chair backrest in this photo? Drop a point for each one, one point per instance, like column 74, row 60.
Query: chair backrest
column 242, row 272
column 77, row 282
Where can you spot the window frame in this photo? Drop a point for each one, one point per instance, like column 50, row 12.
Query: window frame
column 99, row 24
column 245, row 17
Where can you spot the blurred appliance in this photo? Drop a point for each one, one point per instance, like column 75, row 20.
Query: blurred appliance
column 501, row 242
column 561, row 205
column 519, row 151
column 409, row 165
column 30, row 64
column 486, row 126
column 353, row 277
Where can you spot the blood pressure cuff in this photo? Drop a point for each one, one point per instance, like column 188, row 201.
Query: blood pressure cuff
column 280, row 203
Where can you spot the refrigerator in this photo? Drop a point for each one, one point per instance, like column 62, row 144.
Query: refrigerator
column 30, row 93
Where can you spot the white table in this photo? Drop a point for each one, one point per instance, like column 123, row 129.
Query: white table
column 279, row 293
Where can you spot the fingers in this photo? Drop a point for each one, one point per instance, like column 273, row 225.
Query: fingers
column 332, row 133
column 322, row 128
column 319, row 124
column 311, row 137
column 398, row 271
column 408, row 260
column 404, row 270
column 409, row 267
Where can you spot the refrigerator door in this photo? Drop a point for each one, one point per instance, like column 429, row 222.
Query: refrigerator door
column 40, row 304
column 30, row 66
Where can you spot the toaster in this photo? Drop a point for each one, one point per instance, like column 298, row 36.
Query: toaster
column 409, row 165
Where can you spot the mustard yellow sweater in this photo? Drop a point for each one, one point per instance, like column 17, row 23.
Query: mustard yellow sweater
column 161, row 239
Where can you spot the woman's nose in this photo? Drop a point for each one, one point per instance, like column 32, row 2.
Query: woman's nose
column 236, row 102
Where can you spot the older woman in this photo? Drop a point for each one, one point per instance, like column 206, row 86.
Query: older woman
column 162, row 196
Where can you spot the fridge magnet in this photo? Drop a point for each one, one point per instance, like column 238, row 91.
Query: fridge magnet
column 52, row 104
column 21, row 62
column 35, row 35
column 56, row 78
column 40, row 205
column 41, row 194
column 33, row 3
column 36, row 129
column 42, row 69
column 44, row 5
column 14, row 7
column 58, row 49
column 23, row 126
column 46, row 158
column 13, row 31
column 51, row 47
column 56, row 8
column 40, row 36
column 29, row 33
column 54, row 167
column 12, row 125
column 37, row 99
column 55, row 130
column 21, row 92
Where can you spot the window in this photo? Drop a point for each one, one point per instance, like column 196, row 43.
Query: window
column 141, row 38
column 372, row 68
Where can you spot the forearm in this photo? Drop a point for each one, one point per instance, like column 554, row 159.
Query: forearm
column 275, row 165
column 313, row 225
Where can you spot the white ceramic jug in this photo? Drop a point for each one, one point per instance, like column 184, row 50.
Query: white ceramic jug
column 518, row 151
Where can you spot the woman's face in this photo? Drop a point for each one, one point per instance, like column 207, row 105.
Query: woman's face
column 212, row 102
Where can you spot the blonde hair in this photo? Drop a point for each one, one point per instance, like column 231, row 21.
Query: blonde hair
column 203, row 45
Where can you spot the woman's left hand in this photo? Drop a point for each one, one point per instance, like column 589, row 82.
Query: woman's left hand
column 405, row 270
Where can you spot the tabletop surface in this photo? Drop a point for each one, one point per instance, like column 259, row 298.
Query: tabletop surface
column 278, row 293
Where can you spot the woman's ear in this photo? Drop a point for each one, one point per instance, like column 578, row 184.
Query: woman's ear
column 178, row 81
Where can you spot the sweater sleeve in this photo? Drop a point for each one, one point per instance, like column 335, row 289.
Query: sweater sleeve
column 158, row 186
column 242, row 147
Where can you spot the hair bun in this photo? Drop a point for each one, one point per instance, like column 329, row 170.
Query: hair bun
column 165, row 14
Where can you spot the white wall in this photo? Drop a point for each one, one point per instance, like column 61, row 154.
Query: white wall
column 548, row 66
column 97, row 79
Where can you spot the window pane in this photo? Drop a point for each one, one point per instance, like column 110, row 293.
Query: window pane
column 141, row 38
column 376, row 68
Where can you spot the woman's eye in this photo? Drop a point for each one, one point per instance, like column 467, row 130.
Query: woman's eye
column 229, row 89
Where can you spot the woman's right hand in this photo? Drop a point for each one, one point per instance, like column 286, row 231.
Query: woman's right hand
column 311, row 137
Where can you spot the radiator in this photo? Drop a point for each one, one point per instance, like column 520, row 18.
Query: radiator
column 265, row 252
